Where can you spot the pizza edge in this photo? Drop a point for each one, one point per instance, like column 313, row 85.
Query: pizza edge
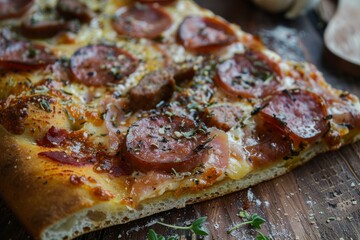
column 58, row 212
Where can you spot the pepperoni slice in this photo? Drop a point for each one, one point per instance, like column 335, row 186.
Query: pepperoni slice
column 39, row 27
column 14, row 8
column 248, row 75
column 25, row 56
column 164, row 143
column 71, row 9
column 205, row 34
column 64, row 158
column 54, row 137
column 98, row 65
column 222, row 116
column 141, row 21
column 269, row 145
column 299, row 113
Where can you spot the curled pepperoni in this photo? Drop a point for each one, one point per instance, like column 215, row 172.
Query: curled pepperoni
column 98, row 65
column 299, row 113
column 204, row 34
column 14, row 8
column 248, row 75
column 25, row 56
column 164, row 143
column 141, row 21
column 71, row 9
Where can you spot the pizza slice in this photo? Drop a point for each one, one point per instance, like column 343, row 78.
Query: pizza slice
column 114, row 111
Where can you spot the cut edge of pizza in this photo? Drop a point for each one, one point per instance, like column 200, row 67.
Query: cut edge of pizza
column 241, row 115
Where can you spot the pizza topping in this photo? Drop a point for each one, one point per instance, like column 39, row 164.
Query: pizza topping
column 64, row 158
column 345, row 114
column 39, row 25
column 217, row 159
column 14, row 113
column 267, row 144
column 248, row 75
column 14, row 8
column 141, row 21
column 164, row 143
column 12, row 118
column 204, row 34
column 25, row 56
column 299, row 113
column 73, row 9
column 115, row 118
column 99, row 65
column 222, row 116
column 53, row 137
column 183, row 71
column 153, row 88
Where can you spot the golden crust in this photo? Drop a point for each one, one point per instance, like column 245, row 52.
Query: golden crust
column 57, row 209
column 37, row 201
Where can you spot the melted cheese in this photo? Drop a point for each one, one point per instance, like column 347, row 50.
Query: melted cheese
column 153, row 57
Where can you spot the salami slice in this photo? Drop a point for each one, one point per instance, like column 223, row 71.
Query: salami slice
column 300, row 113
column 152, row 89
column 205, row 34
column 141, row 21
column 14, row 8
column 268, row 145
column 98, row 65
column 32, row 27
column 248, row 75
column 21, row 55
column 223, row 116
column 164, row 143
column 73, row 9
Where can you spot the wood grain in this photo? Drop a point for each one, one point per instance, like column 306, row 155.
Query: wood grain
column 315, row 201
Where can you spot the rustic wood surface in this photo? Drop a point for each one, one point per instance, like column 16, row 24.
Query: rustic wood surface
column 320, row 200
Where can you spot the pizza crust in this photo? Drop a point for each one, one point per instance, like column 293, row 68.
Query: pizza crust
column 55, row 209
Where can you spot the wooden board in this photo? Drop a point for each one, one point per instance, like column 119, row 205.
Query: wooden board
column 320, row 200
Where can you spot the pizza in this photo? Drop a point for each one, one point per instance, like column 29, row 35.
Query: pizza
column 114, row 110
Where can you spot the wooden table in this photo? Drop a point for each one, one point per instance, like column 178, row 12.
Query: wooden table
column 320, row 200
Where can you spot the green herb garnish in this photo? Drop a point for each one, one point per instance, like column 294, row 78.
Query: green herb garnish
column 254, row 220
column 196, row 227
column 261, row 236
column 152, row 235
column 45, row 105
